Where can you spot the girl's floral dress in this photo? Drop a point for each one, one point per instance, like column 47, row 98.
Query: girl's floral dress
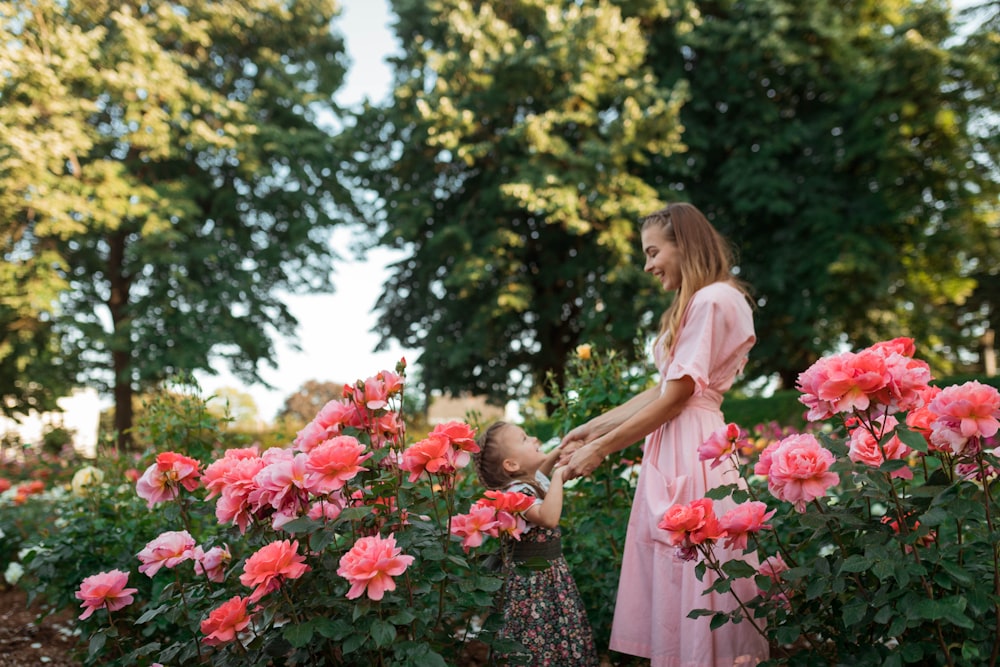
column 542, row 608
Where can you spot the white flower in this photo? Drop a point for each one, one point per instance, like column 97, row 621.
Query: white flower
column 85, row 478
column 13, row 573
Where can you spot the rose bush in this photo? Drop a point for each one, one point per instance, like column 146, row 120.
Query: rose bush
column 881, row 544
column 334, row 549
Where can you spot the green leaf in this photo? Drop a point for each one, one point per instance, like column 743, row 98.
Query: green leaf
column 817, row 586
column 383, row 632
column 488, row 583
column 402, row 617
column 353, row 642
column 330, row 628
column 911, row 439
column 718, row 620
column 321, row 539
column 96, row 643
column 738, row 569
column 298, row 635
column 150, row 614
column 856, row 563
column 854, row 612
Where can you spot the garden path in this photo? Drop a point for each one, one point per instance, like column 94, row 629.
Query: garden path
column 23, row 643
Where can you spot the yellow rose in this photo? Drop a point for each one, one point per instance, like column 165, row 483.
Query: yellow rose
column 85, row 478
column 583, row 352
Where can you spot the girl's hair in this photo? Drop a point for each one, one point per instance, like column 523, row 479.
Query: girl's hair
column 489, row 461
column 705, row 257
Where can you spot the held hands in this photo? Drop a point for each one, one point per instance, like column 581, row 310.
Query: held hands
column 566, row 450
column 578, row 452
column 583, row 462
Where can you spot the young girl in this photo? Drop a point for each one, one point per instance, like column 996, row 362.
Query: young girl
column 542, row 609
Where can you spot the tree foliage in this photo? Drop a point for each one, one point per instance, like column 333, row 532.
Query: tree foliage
column 505, row 161
column 236, row 406
column 849, row 149
column 163, row 171
column 309, row 399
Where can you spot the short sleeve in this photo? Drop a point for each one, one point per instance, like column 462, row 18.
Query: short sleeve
column 715, row 335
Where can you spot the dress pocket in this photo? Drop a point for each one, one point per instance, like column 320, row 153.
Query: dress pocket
column 660, row 494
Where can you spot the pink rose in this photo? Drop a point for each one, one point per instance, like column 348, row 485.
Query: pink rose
column 507, row 501
column 922, row 418
column 326, row 508
column 434, row 455
column 903, row 346
column 226, row 621
column 746, row 518
column 104, row 590
column 763, row 465
column 480, row 522
column 460, row 434
column 237, row 486
column 965, row 411
column 167, row 550
column 282, row 483
column 376, row 396
column 864, row 448
column 719, row 445
column 800, row 470
column 214, row 477
column 333, row 463
column 694, row 523
column 773, row 566
column 370, row 566
column 328, row 423
column 212, row 563
column 270, row 565
column 162, row 480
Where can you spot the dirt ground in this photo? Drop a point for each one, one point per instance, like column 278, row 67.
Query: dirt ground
column 24, row 643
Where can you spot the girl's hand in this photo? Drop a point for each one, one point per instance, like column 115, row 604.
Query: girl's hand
column 583, row 462
column 566, row 451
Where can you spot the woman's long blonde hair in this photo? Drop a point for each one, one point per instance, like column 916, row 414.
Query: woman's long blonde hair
column 706, row 257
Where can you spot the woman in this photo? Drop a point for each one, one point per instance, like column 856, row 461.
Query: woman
column 702, row 345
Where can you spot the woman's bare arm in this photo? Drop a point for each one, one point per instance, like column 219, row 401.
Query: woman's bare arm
column 608, row 421
column 641, row 423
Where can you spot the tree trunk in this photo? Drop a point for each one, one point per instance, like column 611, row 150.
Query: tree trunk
column 121, row 345
column 989, row 353
column 123, row 402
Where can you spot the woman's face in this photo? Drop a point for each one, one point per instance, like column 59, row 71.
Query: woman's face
column 662, row 257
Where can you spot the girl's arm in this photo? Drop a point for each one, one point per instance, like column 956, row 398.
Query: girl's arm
column 547, row 512
column 550, row 460
column 641, row 423
column 608, row 421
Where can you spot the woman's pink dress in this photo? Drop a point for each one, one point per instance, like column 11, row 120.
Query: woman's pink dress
column 655, row 590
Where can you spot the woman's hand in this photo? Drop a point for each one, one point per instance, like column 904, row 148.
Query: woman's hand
column 583, row 462
column 580, row 435
column 566, row 450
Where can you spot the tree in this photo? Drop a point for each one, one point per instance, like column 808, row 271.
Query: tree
column 505, row 163
column 164, row 171
column 236, row 405
column 846, row 148
column 308, row 399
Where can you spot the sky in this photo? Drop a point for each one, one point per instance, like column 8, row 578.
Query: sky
column 334, row 331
